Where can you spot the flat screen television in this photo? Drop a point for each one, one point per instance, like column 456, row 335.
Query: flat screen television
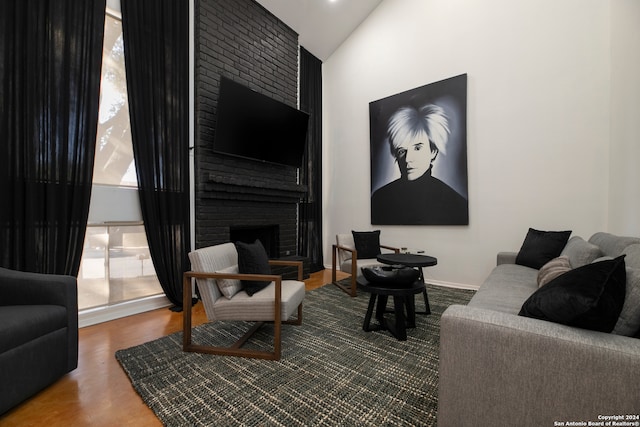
column 255, row 126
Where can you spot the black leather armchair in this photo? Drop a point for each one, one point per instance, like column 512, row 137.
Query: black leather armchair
column 38, row 332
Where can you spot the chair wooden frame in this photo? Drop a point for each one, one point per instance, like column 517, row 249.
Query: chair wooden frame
column 353, row 289
column 236, row 348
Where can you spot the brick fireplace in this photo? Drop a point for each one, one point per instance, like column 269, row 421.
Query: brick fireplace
column 269, row 235
column 249, row 208
column 234, row 196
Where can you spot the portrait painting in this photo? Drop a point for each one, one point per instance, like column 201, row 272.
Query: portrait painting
column 419, row 156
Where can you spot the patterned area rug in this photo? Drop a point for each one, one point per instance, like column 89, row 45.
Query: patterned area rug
column 331, row 373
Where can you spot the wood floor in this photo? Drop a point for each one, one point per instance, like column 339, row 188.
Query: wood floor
column 98, row 392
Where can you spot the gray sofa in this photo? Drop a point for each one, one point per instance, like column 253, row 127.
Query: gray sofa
column 38, row 332
column 501, row 369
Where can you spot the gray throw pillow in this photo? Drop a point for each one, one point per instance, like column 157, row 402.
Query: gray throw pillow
column 632, row 258
column 553, row 269
column 629, row 321
column 580, row 252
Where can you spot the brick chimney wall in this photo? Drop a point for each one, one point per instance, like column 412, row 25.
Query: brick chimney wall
column 241, row 40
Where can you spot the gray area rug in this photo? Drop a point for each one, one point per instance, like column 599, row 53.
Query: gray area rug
column 331, row 373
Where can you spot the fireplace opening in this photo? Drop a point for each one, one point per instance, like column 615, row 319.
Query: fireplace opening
column 269, row 236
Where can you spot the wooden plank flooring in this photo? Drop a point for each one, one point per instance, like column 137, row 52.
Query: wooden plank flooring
column 98, row 393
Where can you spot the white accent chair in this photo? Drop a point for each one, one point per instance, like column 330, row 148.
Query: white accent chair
column 276, row 303
column 345, row 258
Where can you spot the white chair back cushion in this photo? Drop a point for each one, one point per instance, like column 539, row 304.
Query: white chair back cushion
column 347, row 241
column 210, row 260
column 344, row 257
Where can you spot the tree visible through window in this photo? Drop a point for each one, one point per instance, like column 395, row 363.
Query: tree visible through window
column 116, row 265
column 114, row 163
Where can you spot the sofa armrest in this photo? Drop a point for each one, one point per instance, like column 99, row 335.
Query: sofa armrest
column 506, row 258
column 504, row 370
column 23, row 288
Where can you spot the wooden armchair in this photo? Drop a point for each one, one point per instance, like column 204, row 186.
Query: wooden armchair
column 276, row 303
column 345, row 258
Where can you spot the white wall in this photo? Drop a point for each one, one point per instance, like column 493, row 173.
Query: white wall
column 625, row 117
column 539, row 100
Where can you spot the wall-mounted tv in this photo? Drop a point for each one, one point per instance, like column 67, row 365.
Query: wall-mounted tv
column 255, row 126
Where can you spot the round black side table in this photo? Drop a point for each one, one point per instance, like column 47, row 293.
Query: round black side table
column 412, row 260
column 403, row 298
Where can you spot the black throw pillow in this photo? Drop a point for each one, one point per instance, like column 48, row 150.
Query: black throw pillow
column 367, row 243
column 540, row 247
column 589, row 297
column 253, row 259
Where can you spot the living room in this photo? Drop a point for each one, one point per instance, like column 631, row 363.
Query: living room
column 552, row 128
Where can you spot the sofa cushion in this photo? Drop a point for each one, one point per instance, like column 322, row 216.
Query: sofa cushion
column 506, row 288
column 632, row 258
column 589, row 297
column 629, row 320
column 367, row 243
column 253, row 259
column 553, row 269
column 20, row 324
column 540, row 247
column 612, row 245
column 229, row 287
column 580, row 252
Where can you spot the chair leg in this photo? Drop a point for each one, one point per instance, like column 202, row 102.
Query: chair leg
column 298, row 320
column 353, row 290
column 354, row 286
column 333, row 264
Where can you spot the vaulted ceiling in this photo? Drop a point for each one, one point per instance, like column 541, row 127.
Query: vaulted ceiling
column 322, row 25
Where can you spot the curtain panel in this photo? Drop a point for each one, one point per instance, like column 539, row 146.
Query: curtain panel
column 310, row 223
column 156, row 46
column 50, row 64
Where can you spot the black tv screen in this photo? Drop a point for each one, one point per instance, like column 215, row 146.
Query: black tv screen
column 255, row 126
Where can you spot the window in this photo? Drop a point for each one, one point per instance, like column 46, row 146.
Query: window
column 114, row 163
column 116, row 266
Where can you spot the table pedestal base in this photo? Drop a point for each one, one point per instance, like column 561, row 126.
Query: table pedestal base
column 403, row 308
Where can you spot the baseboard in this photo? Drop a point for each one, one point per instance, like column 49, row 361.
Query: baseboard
column 97, row 315
column 442, row 283
column 453, row 285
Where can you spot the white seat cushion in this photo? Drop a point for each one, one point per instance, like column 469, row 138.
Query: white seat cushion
column 259, row 307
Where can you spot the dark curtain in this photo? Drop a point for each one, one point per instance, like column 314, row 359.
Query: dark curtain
column 156, row 46
column 50, row 61
column 310, row 224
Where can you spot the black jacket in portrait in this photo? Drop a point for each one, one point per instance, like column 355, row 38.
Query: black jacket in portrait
column 424, row 201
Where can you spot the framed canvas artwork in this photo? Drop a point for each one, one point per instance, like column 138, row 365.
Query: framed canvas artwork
column 419, row 156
